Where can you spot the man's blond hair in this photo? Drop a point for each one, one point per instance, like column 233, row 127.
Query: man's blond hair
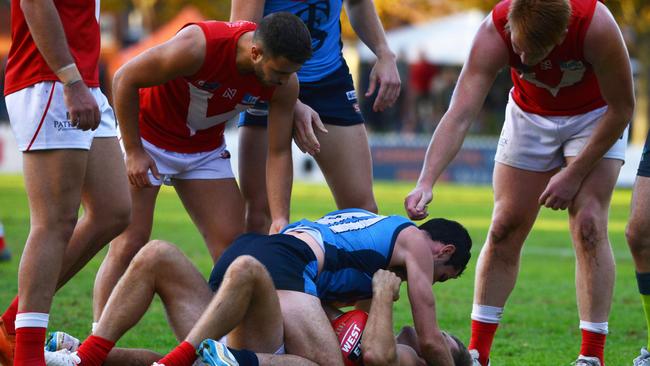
column 541, row 23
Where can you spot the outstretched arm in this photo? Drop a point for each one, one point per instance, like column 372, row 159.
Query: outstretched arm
column 367, row 25
column 487, row 56
column 279, row 164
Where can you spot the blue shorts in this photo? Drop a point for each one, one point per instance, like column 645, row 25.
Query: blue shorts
column 290, row 262
column 333, row 98
column 644, row 165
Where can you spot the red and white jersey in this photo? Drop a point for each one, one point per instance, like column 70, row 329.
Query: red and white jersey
column 26, row 66
column 563, row 84
column 187, row 114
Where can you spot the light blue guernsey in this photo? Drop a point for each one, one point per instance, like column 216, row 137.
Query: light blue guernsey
column 357, row 243
column 322, row 17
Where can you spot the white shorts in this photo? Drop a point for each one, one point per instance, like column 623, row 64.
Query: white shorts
column 541, row 143
column 213, row 164
column 39, row 119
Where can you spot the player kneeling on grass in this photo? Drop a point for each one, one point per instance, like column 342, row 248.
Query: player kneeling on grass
column 332, row 259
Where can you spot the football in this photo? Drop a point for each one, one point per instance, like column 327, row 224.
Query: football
column 349, row 329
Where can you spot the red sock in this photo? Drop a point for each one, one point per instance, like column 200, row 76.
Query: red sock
column 593, row 345
column 183, row 355
column 94, row 350
column 481, row 339
column 29, row 346
column 9, row 317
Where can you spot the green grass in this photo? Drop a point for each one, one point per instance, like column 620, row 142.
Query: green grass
column 540, row 325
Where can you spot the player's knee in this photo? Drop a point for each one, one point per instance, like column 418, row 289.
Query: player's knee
column 258, row 221
column 124, row 248
column 503, row 228
column 156, row 253
column 58, row 226
column 637, row 234
column 378, row 357
column 245, row 268
column 590, row 229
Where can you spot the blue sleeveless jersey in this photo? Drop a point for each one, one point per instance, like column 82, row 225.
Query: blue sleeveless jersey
column 322, row 17
column 357, row 244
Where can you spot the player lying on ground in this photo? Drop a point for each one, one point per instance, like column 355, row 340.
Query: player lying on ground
column 332, row 259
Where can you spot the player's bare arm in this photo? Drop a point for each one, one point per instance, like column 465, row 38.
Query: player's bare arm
column 605, row 50
column 487, row 56
column 418, row 259
column 180, row 56
column 366, row 23
column 379, row 345
column 47, row 31
column 279, row 166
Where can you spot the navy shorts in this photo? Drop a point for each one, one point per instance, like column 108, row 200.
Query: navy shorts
column 644, row 165
column 333, row 98
column 290, row 262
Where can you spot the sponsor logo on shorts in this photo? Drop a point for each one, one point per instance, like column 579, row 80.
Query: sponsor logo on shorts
column 225, row 154
column 352, row 95
column 249, row 99
column 356, row 107
column 63, row 125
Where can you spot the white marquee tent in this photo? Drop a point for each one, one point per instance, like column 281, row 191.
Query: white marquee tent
column 444, row 40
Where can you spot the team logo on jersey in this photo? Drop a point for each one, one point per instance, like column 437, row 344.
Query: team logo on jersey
column 229, row 93
column 572, row 73
column 206, row 85
column 546, row 65
column 315, row 15
column 249, row 99
column 352, row 94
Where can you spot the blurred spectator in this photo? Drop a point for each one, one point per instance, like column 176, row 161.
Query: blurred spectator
column 421, row 76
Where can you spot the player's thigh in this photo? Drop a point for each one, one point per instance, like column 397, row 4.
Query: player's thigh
column 516, row 196
column 346, row 163
column 182, row 288
column 307, row 331
column 216, row 207
column 54, row 181
column 262, row 328
column 143, row 205
column 106, row 187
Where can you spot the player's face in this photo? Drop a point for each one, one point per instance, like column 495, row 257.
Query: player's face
column 442, row 273
column 275, row 71
column 529, row 54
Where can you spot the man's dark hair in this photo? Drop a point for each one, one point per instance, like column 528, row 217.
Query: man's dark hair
column 461, row 355
column 451, row 232
column 284, row 35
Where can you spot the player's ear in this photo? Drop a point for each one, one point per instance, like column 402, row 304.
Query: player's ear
column 448, row 250
column 256, row 52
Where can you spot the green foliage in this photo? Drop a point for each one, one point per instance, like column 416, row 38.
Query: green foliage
column 540, row 325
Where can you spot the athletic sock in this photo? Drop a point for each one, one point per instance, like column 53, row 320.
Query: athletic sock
column 29, row 346
column 643, row 281
column 9, row 317
column 245, row 357
column 94, row 350
column 183, row 355
column 593, row 340
column 485, row 321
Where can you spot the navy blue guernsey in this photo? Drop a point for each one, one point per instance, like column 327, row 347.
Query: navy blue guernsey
column 357, row 244
column 322, row 18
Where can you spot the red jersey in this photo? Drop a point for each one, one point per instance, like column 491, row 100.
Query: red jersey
column 187, row 114
column 26, row 66
column 563, row 84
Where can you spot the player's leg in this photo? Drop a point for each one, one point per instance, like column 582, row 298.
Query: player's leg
column 125, row 246
column 159, row 268
column 346, row 163
column 216, row 207
column 638, row 239
column 516, row 194
column 307, row 331
column 588, row 216
column 252, row 177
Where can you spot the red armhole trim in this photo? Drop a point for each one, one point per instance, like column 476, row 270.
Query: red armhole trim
column 40, row 124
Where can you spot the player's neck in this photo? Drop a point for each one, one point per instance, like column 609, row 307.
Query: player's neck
column 243, row 59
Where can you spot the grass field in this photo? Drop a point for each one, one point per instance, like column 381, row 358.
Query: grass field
column 540, row 325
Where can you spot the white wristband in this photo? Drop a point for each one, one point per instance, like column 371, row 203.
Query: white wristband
column 69, row 74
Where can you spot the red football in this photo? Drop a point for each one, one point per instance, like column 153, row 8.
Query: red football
column 349, row 328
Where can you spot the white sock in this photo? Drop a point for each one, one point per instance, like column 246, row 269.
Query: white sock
column 487, row 314
column 94, row 327
column 32, row 320
column 601, row 328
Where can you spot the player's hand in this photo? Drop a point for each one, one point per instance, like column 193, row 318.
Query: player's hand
column 82, row 106
column 386, row 75
column 277, row 225
column 416, row 202
column 305, row 119
column 386, row 282
column 138, row 164
column 561, row 190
